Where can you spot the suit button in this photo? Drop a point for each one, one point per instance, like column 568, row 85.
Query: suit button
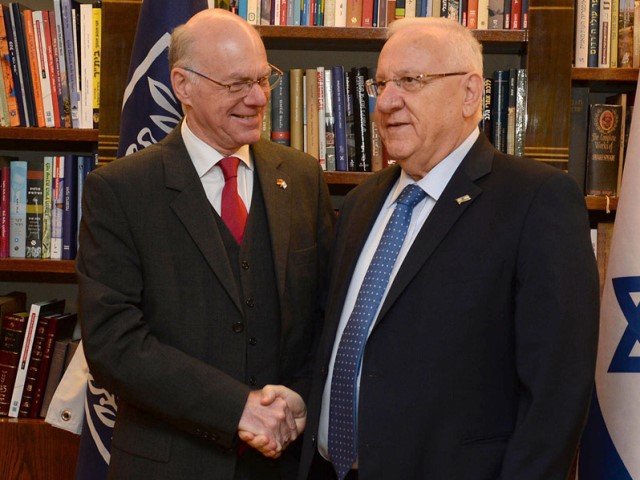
column 250, row 302
column 245, row 265
column 238, row 327
column 253, row 342
column 252, row 381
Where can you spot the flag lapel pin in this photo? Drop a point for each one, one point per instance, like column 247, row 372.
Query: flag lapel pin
column 462, row 199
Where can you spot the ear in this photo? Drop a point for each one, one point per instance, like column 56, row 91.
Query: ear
column 181, row 86
column 474, row 88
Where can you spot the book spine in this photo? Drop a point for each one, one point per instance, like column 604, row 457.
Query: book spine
column 594, row 31
column 322, row 139
column 280, row 112
column 35, row 193
column 329, row 120
column 96, row 17
column 71, row 63
column 35, row 360
column 10, row 92
column 56, row 370
column 511, row 112
column 32, row 58
column 521, row 110
column 23, row 360
column 485, row 123
column 625, row 33
column 253, row 12
column 340, row 119
column 603, row 157
column 47, row 204
column 483, row 14
column 296, row 107
column 495, row 14
column 69, row 213
column 516, row 14
column 51, row 66
column 350, row 129
column 376, row 142
column 340, row 14
column 5, row 198
column 507, row 14
column 578, row 127
column 354, row 13
column 59, row 45
column 18, row 209
column 57, row 207
column 604, row 35
column 361, row 120
column 11, row 339
column 582, row 34
column 313, row 142
column 86, row 65
column 330, row 13
column 367, row 12
column 472, row 16
column 499, row 106
column 265, row 12
column 44, row 75
column 22, row 63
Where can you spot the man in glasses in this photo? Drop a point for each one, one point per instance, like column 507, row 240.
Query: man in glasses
column 203, row 257
column 461, row 323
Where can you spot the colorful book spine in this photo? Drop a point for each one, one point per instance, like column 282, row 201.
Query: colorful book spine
column 350, row 129
column 47, row 206
column 280, row 112
column 57, row 207
column 60, row 46
column 71, row 63
column 97, row 54
column 35, row 195
column 594, row 32
column 44, row 74
column 329, row 120
column 10, row 91
column 11, row 339
column 311, row 82
column 340, row 118
column 85, row 66
column 603, row 149
column 485, row 123
column 376, row 141
column 322, row 139
column 69, row 221
column 34, row 68
column 22, row 65
column 52, row 66
column 18, row 209
column 361, row 120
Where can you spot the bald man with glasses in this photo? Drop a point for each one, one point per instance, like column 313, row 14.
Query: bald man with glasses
column 202, row 264
column 461, row 322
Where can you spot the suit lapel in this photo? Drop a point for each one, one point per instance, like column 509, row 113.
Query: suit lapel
column 446, row 212
column 278, row 204
column 193, row 209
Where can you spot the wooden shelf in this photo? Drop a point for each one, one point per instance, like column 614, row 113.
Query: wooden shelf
column 35, row 270
column 600, row 203
column 48, row 139
column 604, row 74
column 32, row 449
column 368, row 39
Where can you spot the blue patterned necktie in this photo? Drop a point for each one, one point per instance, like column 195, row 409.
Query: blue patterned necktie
column 343, row 408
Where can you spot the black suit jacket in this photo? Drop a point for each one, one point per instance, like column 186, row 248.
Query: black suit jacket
column 480, row 365
column 158, row 300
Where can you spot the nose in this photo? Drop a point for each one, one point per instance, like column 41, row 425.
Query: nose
column 390, row 99
column 257, row 96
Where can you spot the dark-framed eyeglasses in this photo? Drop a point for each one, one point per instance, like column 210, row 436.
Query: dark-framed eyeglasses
column 408, row 84
column 266, row 83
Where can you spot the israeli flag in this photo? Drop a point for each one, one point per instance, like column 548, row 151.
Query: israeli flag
column 610, row 448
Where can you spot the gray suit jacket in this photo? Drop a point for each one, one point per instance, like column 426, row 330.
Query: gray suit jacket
column 158, row 299
column 480, row 365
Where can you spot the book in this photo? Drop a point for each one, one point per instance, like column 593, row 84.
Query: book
column 613, row 36
column 10, row 91
column 11, row 339
column 70, row 58
column 47, row 307
column 322, row 139
column 85, row 70
column 622, row 100
column 329, row 120
column 311, row 92
column 47, row 205
column 59, row 328
column 57, row 208
column 52, row 65
column 582, row 34
column 296, row 108
column 56, row 370
column 361, row 120
column 472, row 15
column 18, row 209
column 521, row 110
column 12, row 302
column 34, row 67
column 96, row 15
column 507, row 14
column 337, row 77
column 603, row 149
column 604, row 34
column 350, row 129
column 625, row 33
column 485, row 123
column 69, row 219
column 22, row 65
column 516, row 14
column 499, row 105
column 578, row 134
column 43, row 72
column 35, row 195
column 483, row 14
column 495, row 14
column 59, row 46
column 511, row 112
column 5, row 204
column 376, row 141
column 280, row 111
column 594, row 32
column 354, row 13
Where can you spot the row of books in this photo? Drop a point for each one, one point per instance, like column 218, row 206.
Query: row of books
column 475, row 14
column 40, row 205
column 326, row 112
column 36, row 345
column 599, row 137
column 607, row 34
column 50, row 64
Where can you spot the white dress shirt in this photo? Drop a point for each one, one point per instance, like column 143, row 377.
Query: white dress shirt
column 433, row 184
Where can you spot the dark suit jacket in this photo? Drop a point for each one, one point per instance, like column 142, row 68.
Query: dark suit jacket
column 480, row 365
column 158, row 299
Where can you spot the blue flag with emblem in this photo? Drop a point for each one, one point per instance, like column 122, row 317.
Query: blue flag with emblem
column 610, row 447
column 149, row 112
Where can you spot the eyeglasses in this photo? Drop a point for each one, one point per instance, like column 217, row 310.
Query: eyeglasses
column 407, row 84
column 266, row 83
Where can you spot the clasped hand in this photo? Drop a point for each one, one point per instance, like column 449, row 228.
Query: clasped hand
column 272, row 418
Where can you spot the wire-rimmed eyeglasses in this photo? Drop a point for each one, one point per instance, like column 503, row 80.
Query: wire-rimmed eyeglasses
column 408, row 84
column 266, row 83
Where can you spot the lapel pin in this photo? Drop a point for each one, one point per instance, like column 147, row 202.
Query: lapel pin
column 281, row 183
column 462, row 199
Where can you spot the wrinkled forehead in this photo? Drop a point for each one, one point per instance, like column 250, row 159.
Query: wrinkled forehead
column 404, row 53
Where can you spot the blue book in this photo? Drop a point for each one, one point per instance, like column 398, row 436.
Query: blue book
column 22, row 62
column 18, row 209
column 69, row 221
column 12, row 61
column 86, row 163
column 297, row 11
column 243, row 8
column 339, row 112
column 594, row 33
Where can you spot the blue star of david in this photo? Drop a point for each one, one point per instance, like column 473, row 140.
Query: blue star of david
column 622, row 361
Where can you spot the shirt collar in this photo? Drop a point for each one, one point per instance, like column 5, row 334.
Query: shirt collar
column 438, row 177
column 205, row 157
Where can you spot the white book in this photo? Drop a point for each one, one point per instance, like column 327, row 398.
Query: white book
column 253, row 12
column 48, row 307
column 322, row 140
column 340, row 16
column 604, row 37
column 43, row 68
column 483, row 14
column 582, row 34
column 330, row 13
column 57, row 207
column 18, row 209
column 86, row 65
column 410, row 9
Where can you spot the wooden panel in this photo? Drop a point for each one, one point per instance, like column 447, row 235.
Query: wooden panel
column 34, row 450
column 119, row 20
column 550, row 52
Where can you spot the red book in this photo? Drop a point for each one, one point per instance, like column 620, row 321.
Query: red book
column 58, row 327
column 367, row 13
column 516, row 14
column 11, row 338
column 472, row 16
column 53, row 65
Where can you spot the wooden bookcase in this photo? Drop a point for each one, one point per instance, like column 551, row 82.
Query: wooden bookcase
column 30, row 448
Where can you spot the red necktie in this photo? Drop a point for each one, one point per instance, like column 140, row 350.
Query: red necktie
column 234, row 213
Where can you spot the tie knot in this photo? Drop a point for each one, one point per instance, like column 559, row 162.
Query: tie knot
column 229, row 166
column 411, row 195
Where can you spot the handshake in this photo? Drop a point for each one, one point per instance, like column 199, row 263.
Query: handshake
column 273, row 417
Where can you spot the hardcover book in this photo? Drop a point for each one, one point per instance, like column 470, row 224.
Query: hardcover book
column 296, row 107
column 11, row 339
column 56, row 369
column 603, row 154
column 35, row 196
column 34, row 67
column 69, row 219
column 350, row 129
column 499, row 106
column 329, row 120
column 496, row 14
column 57, row 208
column 47, row 205
column 43, row 73
column 361, row 120
column 22, row 64
column 280, row 111
column 59, row 47
column 594, row 33
column 10, row 92
column 340, row 118
column 311, row 86
column 578, row 128
column 12, row 302
column 18, row 209
column 322, row 140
